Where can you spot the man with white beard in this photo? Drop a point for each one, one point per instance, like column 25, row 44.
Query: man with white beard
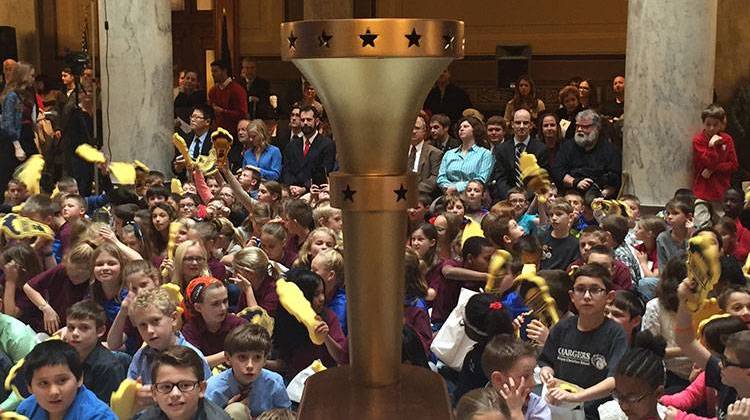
column 589, row 162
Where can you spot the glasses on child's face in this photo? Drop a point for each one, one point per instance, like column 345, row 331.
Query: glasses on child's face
column 726, row 363
column 593, row 291
column 183, row 386
column 192, row 259
column 628, row 399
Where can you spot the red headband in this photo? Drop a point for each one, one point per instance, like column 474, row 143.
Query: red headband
column 197, row 286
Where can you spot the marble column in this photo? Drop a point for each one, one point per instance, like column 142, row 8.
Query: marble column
column 135, row 53
column 669, row 81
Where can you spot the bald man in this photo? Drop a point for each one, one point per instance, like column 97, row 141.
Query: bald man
column 8, row 66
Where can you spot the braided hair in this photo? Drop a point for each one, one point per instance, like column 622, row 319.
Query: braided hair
column 645, row 360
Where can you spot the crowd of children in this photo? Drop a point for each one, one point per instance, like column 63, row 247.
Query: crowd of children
column 175, row 289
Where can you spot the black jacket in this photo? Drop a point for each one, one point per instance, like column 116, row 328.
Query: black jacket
column 504, row 172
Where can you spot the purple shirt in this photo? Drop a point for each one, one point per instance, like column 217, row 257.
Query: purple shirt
column 196, row 332
column 57, row 289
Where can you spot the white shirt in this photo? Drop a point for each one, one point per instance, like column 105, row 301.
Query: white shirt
column 415, row 168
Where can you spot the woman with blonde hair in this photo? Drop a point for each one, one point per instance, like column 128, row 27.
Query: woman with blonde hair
column 260, row 153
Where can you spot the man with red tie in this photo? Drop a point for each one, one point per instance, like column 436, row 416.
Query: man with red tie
column 308, row 160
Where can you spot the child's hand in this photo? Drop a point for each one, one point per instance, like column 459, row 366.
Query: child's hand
column 555, row 396
column 547, row 376
column 686, row 290
column 322, row 329
column 51, row 320
column 106, row 234
column 706, row 173
column 143, row 397
column 514, row 394
column 127, row 301
column 537, row 331
column 671, row 413
column 242, row 282
column 167, row 266
column 716, row 140
column 518, row 321
column 739, row 410
column 642, row 257
column 11, row 270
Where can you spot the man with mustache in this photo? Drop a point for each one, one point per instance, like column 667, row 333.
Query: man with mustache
column 590, row 161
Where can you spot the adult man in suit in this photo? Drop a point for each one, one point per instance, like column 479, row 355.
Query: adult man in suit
column 285, row 134
column 440, row 127
column 308, row 160
column 198, row 139
column 258, row 91
column 424, row 159
column 506, row 173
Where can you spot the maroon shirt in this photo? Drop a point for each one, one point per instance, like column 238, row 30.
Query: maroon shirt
column 196, row 332
column 265, row 296
column 447, row 292
column 419, row 321
column 301, row 357
column 58, row 290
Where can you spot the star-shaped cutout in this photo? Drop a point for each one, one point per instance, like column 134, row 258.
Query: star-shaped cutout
column 324, row 39
column 292, row 40
column 448, row 40
column 349, row 193
column 368, row 38
column 413, row 37
column 400, row 193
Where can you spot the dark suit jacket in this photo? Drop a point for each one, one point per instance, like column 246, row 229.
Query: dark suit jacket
column 452, row 143
column 504, row 172
column 261, row 89
column 428, row 168
column 282, row 137
column 314, row 168
column 189, row 139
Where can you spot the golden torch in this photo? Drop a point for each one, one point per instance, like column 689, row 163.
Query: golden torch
column 373, row 76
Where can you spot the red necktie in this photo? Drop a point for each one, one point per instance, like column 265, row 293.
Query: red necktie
column 306, row 148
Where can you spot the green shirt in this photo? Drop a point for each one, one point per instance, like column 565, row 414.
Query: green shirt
column 16, row 341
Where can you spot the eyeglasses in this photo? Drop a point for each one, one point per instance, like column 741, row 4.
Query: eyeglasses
column 183, row 386
column 629, row 400
column 725, row 363
column 593, row 291
column 194, row 259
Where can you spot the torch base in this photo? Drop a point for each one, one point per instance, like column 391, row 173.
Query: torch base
column 332, row 394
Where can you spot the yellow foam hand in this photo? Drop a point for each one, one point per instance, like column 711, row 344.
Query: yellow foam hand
column 704, row 269
column 207, row 164
column 175, row 187
column 496, row 269
column 569, row 387
column 124, row 398
column 10, row 415
column 174, row 292
column 471, row 229
column 15, row 226
column 746, row 267
column 90, row 154
column 140, row 165
column 534, row 291
column 295, row 302
column 533, row 176
column 30, row 173
column 222, row 141
column 122, row 173
column 181, row 146
column 317, row 366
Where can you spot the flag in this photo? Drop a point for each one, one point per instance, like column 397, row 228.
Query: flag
column 226, row 55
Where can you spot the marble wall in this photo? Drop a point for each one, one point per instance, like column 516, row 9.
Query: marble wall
column 670, row 74
column 136, row 72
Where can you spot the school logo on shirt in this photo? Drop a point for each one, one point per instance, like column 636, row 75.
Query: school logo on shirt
column 599, row 362
column 582, row 358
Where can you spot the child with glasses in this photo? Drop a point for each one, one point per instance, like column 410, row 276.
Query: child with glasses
column 584, row 349
column 155, row 316
column 728, row 373
column 178, row 388
column 639, row 381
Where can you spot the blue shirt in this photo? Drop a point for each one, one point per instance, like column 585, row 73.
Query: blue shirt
column 338, row 306
column 266, row 392
column 140, row 366
column 269, row 162
column 85, row 406
column 457, row 170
